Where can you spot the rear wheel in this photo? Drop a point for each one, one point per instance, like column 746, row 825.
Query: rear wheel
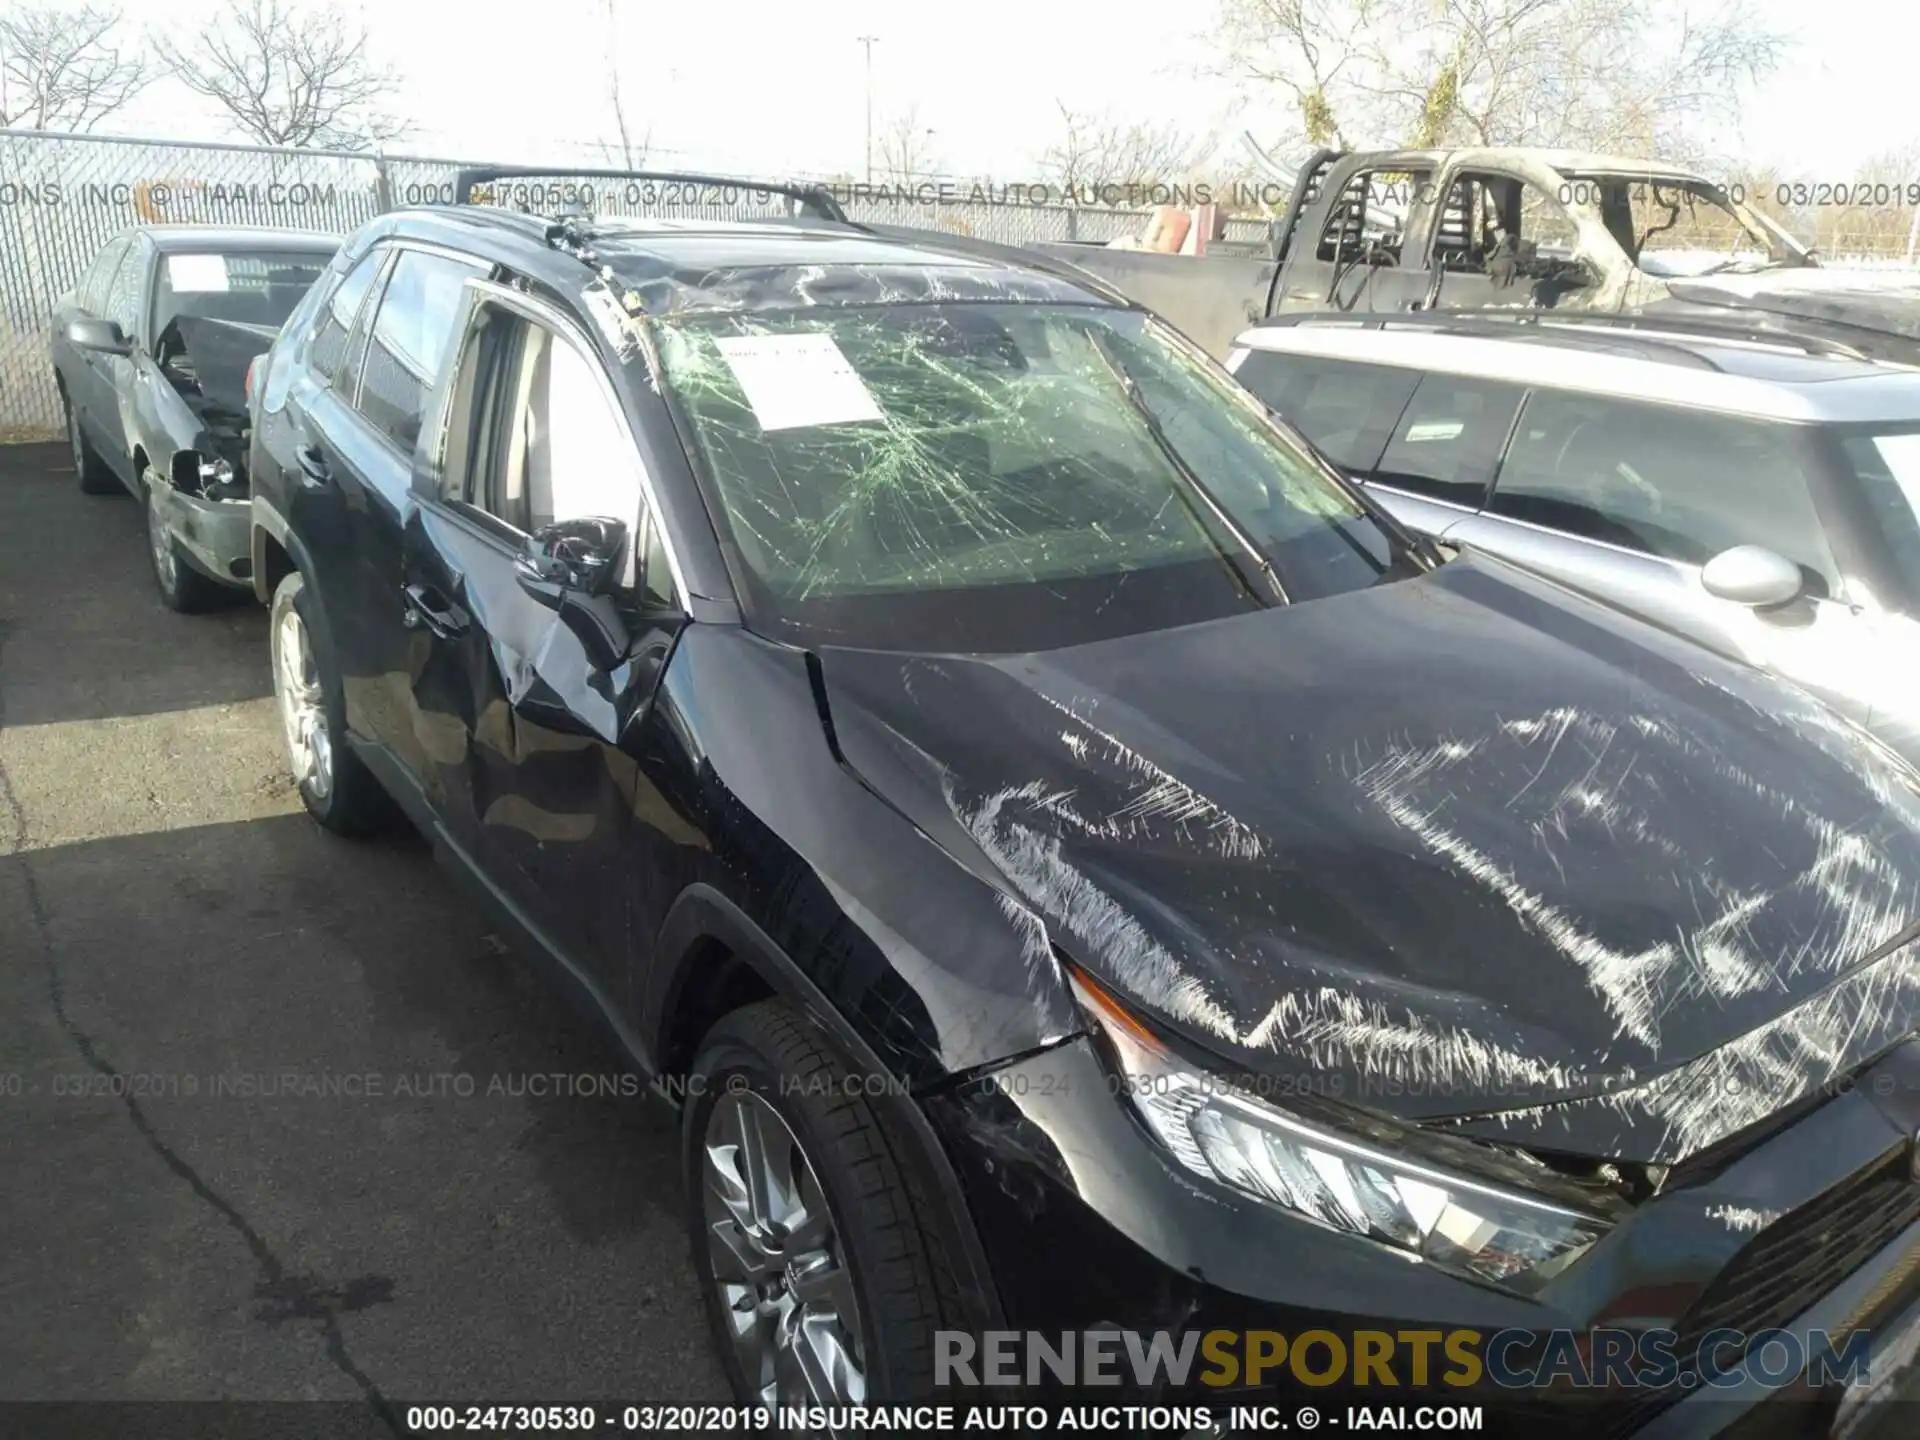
column 822, row 1288
column 89, row 468
column 336, row 788
column 182, row 588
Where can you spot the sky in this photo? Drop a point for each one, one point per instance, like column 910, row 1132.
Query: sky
column 744, row 85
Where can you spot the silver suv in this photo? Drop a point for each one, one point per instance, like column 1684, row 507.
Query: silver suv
column 1758, row 495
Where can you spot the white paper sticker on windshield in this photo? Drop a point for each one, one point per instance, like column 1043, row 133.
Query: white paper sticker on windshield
column 1435, row 430
column 197, row 273
column 797, row 380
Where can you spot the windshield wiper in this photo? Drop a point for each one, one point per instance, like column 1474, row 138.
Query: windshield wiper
column 1131, row 388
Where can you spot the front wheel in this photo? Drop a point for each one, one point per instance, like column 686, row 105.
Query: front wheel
column 337, row 789
column 182, row 588
column 822, row 1288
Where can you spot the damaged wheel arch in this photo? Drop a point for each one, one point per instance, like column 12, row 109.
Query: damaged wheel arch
column 704, row 928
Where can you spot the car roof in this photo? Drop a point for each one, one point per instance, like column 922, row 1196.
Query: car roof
column 674, row 266
column 1782, row 380
column 236, row 238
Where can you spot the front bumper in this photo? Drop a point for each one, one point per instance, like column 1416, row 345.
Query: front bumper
column 1089, row 1225
column 215, row 535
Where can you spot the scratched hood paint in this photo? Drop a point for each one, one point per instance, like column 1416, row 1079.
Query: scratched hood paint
column 1449, row 847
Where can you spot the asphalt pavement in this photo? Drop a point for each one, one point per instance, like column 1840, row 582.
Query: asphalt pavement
column 279, row 1118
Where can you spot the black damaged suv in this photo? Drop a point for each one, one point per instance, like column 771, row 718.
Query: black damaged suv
column 1082, row 864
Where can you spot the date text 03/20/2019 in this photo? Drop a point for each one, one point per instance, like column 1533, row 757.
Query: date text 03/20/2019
column 941, row 1419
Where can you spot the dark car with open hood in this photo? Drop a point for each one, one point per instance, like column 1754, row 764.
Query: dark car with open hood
column 151, row 351
column 1078, row 865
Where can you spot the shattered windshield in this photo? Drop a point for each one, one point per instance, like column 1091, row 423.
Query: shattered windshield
column 1678, row 227
column 253, row 287
column 1001, row 477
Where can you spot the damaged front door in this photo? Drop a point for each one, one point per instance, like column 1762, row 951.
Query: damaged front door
column 531, row 667
column 1499, row 241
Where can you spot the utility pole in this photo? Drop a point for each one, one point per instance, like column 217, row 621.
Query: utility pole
column 868, row 41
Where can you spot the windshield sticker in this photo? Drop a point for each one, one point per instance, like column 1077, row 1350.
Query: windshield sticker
column 1435, row 430
column 792, row 381
column 197, row 274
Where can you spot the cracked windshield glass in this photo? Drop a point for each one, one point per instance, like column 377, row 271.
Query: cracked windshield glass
column 1006, row 477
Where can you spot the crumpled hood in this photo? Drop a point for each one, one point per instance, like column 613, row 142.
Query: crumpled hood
column 1454, row 846
column 220, row 352
column 1871, row 300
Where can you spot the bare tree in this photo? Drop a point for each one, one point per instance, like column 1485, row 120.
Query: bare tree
column 905, row 149
column 60, row 68
column 1869, row 214
column 1097, row 159
column 631, row 153
column 1599, row 74
column 290, row 73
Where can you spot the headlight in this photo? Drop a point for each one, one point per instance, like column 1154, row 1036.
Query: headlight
column 1222, row 1133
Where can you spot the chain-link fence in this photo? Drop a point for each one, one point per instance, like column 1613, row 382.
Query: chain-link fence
column 63, row 196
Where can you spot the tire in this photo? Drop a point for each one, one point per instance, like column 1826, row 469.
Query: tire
column 91, row 471
column 183, row 589
column 768, row 1065
column 337, row 789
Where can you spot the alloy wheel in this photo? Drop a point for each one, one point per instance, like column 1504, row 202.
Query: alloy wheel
column 303, row 712
column 165, row 563
column 782, row 1276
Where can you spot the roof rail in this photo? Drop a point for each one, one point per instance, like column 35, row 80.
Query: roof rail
column 1021, row 255
column 1686, row 327
column 1652, row 327
column 815, row 198
column 1471, row 325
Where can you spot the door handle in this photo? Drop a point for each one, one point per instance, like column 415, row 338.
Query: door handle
column 423, row 605
column 313, row 465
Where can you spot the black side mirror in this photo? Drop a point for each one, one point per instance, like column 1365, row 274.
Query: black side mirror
column 573, row 567
column 104, row 336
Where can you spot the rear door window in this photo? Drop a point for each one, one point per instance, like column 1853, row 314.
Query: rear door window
column 1369, row 219
column 328, row 352
column 1681, row 485
column 1449, row 439
column 95, row 285
column 413, row 330
column 1345, row 409
column 123, row 295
